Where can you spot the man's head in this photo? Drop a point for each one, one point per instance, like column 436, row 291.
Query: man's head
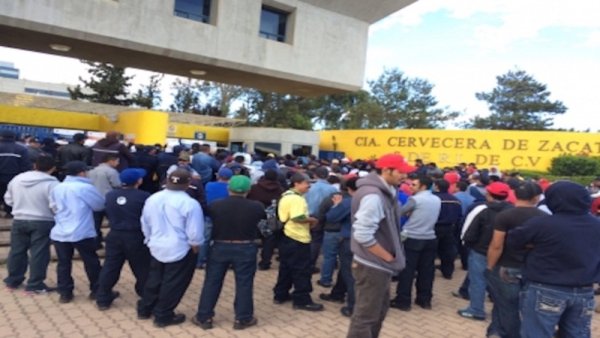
column 300, row 182
column 462, row 185
column 322, row 172
column 393, row 168
column 239, row 185
column 45, row 164
column 79, row 138
column 179, row 180
column 350, row 185
column 567, row 197
column 528, row 192
column 132, row 177
column 497, row 191
column 183, row 158
column 7, row 135
column 76, row 168
column 112, row 160
column 441, row 186
column 224, row 174
column 421, row 183
column 34, row 142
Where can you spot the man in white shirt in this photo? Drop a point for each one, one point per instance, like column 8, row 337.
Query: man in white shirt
column 173, row 226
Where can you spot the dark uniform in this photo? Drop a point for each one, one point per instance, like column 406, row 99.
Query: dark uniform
column 13, row 161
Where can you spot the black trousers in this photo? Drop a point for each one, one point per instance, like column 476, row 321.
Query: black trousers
column 122, row 246
column 3, row 188
column 268, row 247
column 166, row 284
column 294, row 270
column 91, row 263
column 447, row 248
column 420, row 258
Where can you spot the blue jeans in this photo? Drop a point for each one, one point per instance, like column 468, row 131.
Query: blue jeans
column 32, row 236
column 331, row 248
column 544, row 306
column 504, row 285
column 477, row 284
column 243, row 259
column 203, row 253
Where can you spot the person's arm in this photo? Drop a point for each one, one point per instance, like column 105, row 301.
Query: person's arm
column 194, row 227
column 523, row 237
column 113, row 179
column 339, row 211
column 370, row 213
column 408, row 207
column 8, row 194
column 93, row 198
column 495, row 249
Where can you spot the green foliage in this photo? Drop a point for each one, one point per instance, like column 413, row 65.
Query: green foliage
column 107, row 82
column 149, row 96
column 187, row 96
column 518, row 102
column 573, row 165
column 407, row 102
column 534, row 174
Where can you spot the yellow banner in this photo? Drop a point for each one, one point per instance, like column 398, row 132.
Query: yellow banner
column 505, row 149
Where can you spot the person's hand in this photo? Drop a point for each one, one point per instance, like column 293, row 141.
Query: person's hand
column 195, row 248
column 313, row 222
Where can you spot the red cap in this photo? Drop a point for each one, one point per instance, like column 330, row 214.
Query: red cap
column 394, row 161
column 452, row 177
column 498, row 189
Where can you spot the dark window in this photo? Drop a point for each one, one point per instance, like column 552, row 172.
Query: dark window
column 262, row 149
column 301, row 150
column 272, row 23
column 198, row 10
column 9, row 72
column 237, row 147
column 47, row 92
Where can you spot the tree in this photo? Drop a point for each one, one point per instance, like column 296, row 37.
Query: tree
column 107, row 83
column 187, row 96
column 408, row 102
column 277, row 110
column 149, row 95
column 518, row 102
column 218, row 97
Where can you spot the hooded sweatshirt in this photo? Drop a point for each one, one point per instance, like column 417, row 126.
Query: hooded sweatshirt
column 478, row 227
column 375, row 215
column 565, row 245
column 265, row 191
column 29, row 195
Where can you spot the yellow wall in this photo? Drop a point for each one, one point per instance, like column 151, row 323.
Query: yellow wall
column 145, row 126
column 506, row 149
column 52, row 118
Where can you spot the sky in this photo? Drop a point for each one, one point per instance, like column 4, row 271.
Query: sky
column 459, row 46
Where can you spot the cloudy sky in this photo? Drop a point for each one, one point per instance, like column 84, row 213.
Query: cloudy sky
column 460, row 46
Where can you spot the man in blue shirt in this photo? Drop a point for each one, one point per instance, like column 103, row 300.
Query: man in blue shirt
column 319, row 191
column 125, row 240
column 173, row 226
column 73, row 202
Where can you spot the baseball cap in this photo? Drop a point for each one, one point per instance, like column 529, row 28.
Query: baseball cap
column 179, row 180
column 225, row 173
column 239, row 184
column 498, row 189
column 394, row 161
column 73, row 168
column 130, row 176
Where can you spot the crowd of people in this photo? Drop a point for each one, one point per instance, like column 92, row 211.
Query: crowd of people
column 530, row 245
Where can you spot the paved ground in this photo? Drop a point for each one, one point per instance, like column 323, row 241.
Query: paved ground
column 42, row 316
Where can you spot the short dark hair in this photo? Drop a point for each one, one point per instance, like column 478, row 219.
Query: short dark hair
column 528, row 190
column 44, row 163
column 442, row 185
column 239, row 159
column 462, row 185
column 425, row 180
column 271, row 175
column 110, row 157
column 322, row 172
column 351, row 183
column 298, row 178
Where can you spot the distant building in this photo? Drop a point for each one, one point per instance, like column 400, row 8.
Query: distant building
column 8, row 70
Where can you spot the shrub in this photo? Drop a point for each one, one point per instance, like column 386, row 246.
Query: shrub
column 573, row 165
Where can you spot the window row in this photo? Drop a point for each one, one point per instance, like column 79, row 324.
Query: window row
column 273, row 21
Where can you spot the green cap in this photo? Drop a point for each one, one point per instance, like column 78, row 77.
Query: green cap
column 239, row 184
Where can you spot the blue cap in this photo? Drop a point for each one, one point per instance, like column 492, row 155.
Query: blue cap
column 130, row 176
column 225, row 173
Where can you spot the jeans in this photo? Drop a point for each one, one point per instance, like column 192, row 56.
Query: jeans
column 372, row 301
column 32, row 236
column 121, row 246
column 544, row 306
column 316, row 241
column 344, row 284
column 203, row 253
column 331, row 248
column 446, row 248
column 504, row 285
column 420, row 258
column 477, row 284
column 167, row 282
column 243, row 259
column 91, row 263
column 294, row 269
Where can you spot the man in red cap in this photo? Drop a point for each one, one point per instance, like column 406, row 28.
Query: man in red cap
column 477, row 234
column 375, row 242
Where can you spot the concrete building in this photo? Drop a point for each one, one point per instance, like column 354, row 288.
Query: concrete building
column 274, row 140
column 305, row 47
column 22, row 86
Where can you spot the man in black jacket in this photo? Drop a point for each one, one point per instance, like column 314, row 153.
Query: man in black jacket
column 445, row 227
column 13, row 161
column 561, row 266
column 477, row 234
